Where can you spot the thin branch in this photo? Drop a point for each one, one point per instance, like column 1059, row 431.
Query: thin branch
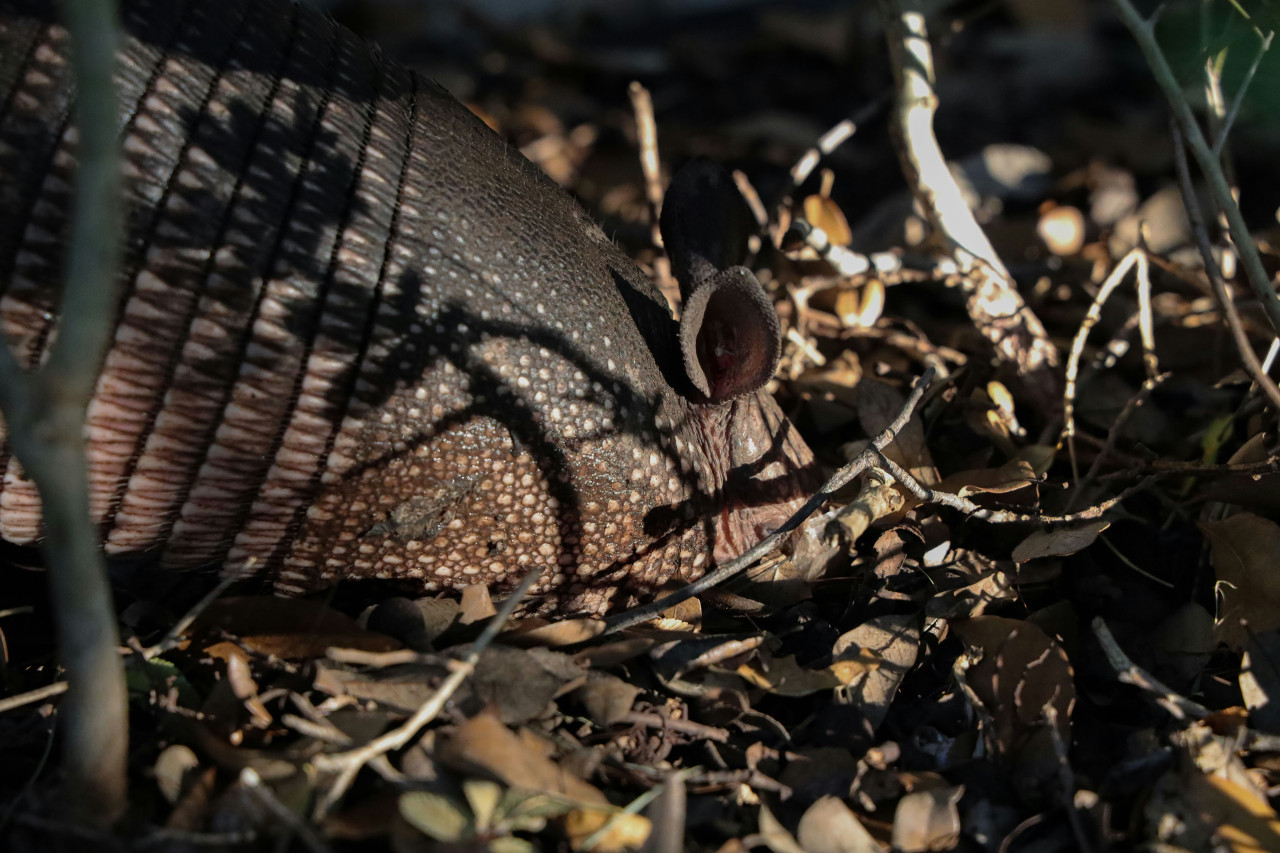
column 1230, row 119
column 1136, row 256
column 647, row 136
column 995, row 307
column 838, row 480
column 9, row 703
column 1128, row 672
column 1117, row 429
column 926, row 495
column 174, row 636
column 1248, row 358
column 44, row 412
column 1170, row 468
column 1144, row 33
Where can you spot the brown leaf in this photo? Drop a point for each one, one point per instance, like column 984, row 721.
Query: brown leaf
column 476, row 604
column 518, row 684
column 973, row 599
column 1022, row 671
column 878, row 404
column 829, row 826
column 927, row 820
column 173, row 768
column 534, row 632
column 401, row 688
column 289, row 628
column 1009, row 477
column 895, row 642
column 783, row 676
column 1058, row 541
column 824, row 213
column 606, row 698
column 1246, row 549
column 625, row 832
column 484, row 746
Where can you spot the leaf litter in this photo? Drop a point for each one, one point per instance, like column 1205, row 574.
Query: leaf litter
column 925, row 680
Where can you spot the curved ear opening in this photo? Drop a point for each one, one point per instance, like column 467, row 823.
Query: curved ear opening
column 729, row 335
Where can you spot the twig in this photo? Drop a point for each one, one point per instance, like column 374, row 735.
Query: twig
column 1129, row 672
column 1248, row 358
column 862, row 462
column 1136, row 256
column 647, row 136
column 46, row 692
column 689, row 727
column 846, row 262
column 995, row 307
column 347, row 764
column 1066, row 779
column 1143, row 32
column 252, row 782
column 1117, row 429
column 931, row 496
column 1169, row 468
column 1230, row 118
column 174, row 635
column 927, row 171
column 839, row 134
column 668, row 814
column 44, row 410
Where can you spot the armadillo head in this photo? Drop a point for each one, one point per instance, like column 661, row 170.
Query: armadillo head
column 546, row 421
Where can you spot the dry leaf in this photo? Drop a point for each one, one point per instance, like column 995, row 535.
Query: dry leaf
column 476, row 604
column 606, row 698
column 775, row 835
column 878, row 403
column 783, row 676
column 973, row 599
column 1009, row 477
column 625, row 832
column 536, row 632
column 1246, row 550
column 927, row 820
column 486, row 747
column 1022, row 671
column 288, row 628
column 1058, row 541
column 828, row 826
column 824, row 213
column 894, row 641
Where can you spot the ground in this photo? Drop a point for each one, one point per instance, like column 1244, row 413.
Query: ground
column 1063, row 637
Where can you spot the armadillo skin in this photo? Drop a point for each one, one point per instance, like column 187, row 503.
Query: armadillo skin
column 357, row 336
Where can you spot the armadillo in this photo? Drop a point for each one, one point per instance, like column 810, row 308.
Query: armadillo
column 358, row 336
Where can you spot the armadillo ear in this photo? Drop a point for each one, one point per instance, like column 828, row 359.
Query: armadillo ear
column 705, row 223
column 729, row 335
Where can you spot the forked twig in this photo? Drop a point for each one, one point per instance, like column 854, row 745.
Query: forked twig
column 1136, row 257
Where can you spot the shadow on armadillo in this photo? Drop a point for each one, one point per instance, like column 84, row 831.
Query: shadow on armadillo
column 360, row 337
